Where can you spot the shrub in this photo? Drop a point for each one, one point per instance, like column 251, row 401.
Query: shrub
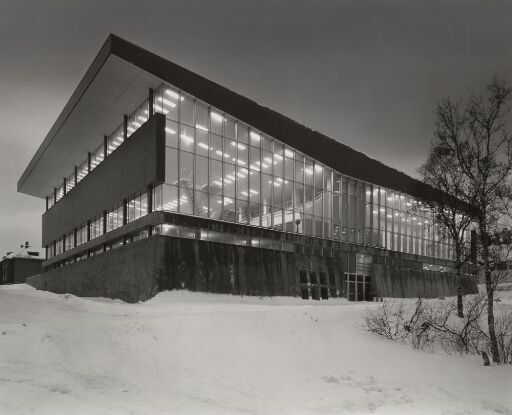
column 388, row 321
column 431, row 324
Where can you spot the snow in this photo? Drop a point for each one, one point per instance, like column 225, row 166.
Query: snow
column 196, row 353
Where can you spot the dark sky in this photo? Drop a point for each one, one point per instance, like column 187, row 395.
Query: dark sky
column 367, row 73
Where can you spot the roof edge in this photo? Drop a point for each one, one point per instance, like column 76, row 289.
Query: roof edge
column 325, row 149
column 96, row 65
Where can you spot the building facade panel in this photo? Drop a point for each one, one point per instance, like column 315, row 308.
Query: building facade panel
column 129, row 170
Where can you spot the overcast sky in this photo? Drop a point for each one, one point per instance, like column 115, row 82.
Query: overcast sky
column 367, row 73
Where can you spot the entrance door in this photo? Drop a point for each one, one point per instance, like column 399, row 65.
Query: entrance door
column 358, row 287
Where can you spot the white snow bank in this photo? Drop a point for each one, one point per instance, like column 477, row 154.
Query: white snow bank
column 194, row 353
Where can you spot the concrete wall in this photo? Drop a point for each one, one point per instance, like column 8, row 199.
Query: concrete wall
column 392, row 281
column 130, row 273
column 212, row 267
column 137, row 163
column 139, row 270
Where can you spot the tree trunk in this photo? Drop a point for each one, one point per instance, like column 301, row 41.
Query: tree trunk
column 490, row 290
column 460, row 305
column 490, row 320
column 458, row 269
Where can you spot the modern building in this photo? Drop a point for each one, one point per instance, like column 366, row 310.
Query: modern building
column 17, row 268
column 156, row 178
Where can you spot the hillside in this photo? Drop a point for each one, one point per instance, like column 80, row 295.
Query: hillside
column 192, row 353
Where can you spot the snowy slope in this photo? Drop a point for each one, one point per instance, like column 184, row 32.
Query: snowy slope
column 192, row 353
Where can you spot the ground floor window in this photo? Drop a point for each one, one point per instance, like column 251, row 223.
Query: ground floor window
column 315, row 285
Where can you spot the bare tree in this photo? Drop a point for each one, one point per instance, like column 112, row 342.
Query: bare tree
column 452, row 216
column 477, row 139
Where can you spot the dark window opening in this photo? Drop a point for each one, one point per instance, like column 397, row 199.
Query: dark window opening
column 303, row 277
column 323, row 278
column 312, row 277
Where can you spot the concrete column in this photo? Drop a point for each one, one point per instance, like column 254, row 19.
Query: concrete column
column 150, row 102
column 125, row 212
column 125, row 127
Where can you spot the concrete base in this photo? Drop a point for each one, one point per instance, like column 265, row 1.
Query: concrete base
column 139, row 270
column 129, row 273
column 389, row 281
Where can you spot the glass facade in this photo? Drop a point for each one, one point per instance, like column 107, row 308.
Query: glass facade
column 97, row 157
column 69, row 240
column 96, row 227
column 139, row 117
column 59, row 192
column 70, row 182
column 218, row 167
column 137, row 207
column 115, row 139
column 81, row 235
column 114, row 218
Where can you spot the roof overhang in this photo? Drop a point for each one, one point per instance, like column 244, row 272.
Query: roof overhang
column 111, row 87
column 119, row 79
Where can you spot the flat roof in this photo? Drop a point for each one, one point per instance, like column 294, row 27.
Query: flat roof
column 119, row 78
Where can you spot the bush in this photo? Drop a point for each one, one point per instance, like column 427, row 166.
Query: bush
column 503, row 327
column 431, row 324
column 388, row 321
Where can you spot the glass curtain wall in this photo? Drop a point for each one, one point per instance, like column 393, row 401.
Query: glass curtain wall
column 70, row 182
column 114, row 218
column 220, row 168
column 137, row 207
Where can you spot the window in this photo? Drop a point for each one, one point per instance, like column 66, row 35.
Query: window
column 137, row 207
column 81, row 235
column 97, row 157
column 83, row 170
column 60, row 192
column 166, row 101
column 69, row 241
column 139, row 117
column 114, row 218
column 59, row 246
column 115, row 139
column 96, row 227
column 70, row 182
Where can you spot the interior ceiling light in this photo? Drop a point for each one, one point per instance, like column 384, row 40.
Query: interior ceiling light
column 216, row 116
column 167, row 102
column 186, row 138
column 172, row 94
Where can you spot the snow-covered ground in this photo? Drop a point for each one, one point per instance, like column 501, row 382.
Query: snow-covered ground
column 192, row 353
